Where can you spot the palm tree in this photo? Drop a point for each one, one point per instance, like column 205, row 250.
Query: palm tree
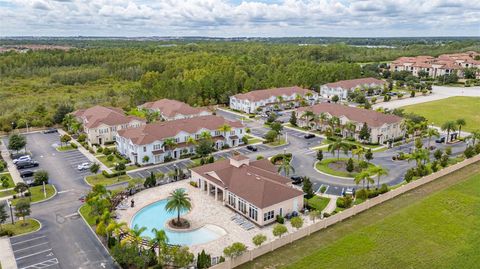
column 323, row 118
column 359, row 151
column 362, row 176
column 432, row 132
column 178, row 201
column 286, row 167
column 419, row 156
column 190, row 141
column 308, row 115
column 475, row 136
column 225, row 128
column 379, row 171
column 449, row 126
column 350, row 126
column 205, row 135
column 460, row 123
column 135, row 237
column 115, row 227
column 169, row 143
column 337, row 146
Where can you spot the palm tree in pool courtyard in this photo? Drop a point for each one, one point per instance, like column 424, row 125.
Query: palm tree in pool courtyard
column 178, row 201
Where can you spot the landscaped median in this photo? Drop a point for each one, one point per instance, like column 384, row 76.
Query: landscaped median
column 36, row 194
column 21, row 227
column 67, row 147
column 338, row 167
column 107, row 179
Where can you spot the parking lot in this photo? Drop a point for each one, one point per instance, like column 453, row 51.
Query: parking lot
column 34, row 251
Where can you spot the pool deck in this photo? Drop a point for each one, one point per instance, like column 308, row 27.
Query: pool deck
column 205, row 211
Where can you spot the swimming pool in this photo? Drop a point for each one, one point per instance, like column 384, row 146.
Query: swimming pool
column 155, row 216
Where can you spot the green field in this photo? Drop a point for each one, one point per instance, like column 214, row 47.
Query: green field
column 21, row 227
column 453, row 108
column 434, row 226
column 37, row 194
column 102, row 180
column 317, row 202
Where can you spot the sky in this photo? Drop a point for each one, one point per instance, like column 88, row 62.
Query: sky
column 235, row 18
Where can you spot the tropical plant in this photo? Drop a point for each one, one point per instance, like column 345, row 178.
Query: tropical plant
column 3, row 215
column 430, row 133
column 259, row 239
column 308, row 115
column 22, row 209
column 448, row 126
column 379, row 172
column 94, row 168
column 307, row 187
column 16, row 142
column 225, row 128
column 169, row 143
column 419, row 155
column 286, row 167
column 363, row 176
column 359, row 152
column 338, row 145
column 178, row 201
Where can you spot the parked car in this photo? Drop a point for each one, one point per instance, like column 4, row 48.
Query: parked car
column 440, row 140
column 252, row 148
column 349, row 191
column 27, row 173
column 26, row 164
column 309, row 136
column 22, row 159
column 84, row 166
column 296, row 180
column 50, row 131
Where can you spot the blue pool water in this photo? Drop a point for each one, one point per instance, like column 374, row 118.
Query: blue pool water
column 155, row 216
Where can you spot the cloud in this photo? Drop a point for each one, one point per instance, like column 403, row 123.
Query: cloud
column 243, row 18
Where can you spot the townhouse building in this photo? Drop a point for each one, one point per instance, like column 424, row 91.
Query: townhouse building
column 174, row 110
column 343, row 87
column 253, row 189
column 101, row 124
column 382, row 127
column 272, row 99
column 162, row 141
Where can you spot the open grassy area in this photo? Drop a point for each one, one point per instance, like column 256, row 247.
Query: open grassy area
column 21, row 227
column 317, row 202
column 6, row 193
column 434, row 226
column 66, row 148
column 453, row 108
column 102, row 180
column 279, row 142
column 37, row 194
column 7, row 178
column 85, row 211
column 253, row 140
column 326, row 166
column 112, row 163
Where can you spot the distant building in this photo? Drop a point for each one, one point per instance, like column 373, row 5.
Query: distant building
column 174, row 110
column 151, row 140
column 272, row 99
column 101, row 124
column 253, row 189
column 382, row 127
column 444, row 64
column 343, row 87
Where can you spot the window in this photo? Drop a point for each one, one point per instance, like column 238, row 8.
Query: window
column 231, row 199
column 144, row 149
column 232, row 132
column 157, row 146
column 242, row 206
column 177, row 140
column 268, row 216
column 252, row 212
column 217, row 133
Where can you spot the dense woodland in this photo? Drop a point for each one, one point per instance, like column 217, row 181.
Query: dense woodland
column 127, row 73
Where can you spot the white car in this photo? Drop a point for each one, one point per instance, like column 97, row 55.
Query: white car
column 84, row 166
column 25, row 158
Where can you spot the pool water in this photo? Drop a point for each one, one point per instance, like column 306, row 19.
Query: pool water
column 155, row 216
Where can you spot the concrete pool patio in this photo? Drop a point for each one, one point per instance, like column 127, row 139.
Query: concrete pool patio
column 205, row 211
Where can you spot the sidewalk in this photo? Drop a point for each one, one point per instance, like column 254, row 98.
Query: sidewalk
column 7, row 258
column 87, row 154
column 332, row 205
column 10, row 166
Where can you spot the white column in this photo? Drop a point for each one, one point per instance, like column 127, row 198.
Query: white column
column 216, row 193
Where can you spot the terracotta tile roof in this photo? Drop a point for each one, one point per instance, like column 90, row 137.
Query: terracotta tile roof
column 353, row 83
column 171, row 108
column 371, row 117
column 267, row 93
column 149, row 133
column 444, row 61
column 97, row 115
column 260, row 187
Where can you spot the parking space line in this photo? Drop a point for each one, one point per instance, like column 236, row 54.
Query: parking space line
column 28, row 240
column 43, row 264
column 33, row 254
column 31, row 246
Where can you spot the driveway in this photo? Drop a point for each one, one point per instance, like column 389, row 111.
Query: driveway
column 439, row 92
column 64, row 241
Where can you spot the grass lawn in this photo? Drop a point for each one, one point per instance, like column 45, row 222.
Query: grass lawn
column 277, row 143
column 324, row 166
column 21, row 227
column 253, row 140
column 85, row 211
column 434, row 226
column 66, row 148
column 6, row 193
column 317, row 202
column 37, row 194
column 453, row 108
column 8, row 178
column 111, row 163
column 102, row 180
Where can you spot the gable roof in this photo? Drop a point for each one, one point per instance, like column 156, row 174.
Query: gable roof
column 95, row 116
column 353, row 83
column 171, row 108
column 258, row 183
column 267, row 93
column 371, row 117
column 149, row 133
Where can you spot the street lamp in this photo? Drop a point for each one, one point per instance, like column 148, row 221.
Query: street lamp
column 9, row 203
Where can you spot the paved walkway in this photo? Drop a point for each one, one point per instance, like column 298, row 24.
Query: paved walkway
column 7, row 258
column 10, row 166
column 87, row 153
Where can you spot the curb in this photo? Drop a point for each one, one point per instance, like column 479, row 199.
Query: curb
column 49, row 198
column 323, row 173
column 39, row 228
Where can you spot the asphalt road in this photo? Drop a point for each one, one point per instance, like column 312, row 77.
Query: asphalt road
column 64, row 241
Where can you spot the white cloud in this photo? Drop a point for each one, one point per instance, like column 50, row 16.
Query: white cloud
column 249, row 18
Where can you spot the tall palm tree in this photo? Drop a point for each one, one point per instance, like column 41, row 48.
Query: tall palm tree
column 449, row 126
column 323, row 118
column 432, row 132
column 379, row 171
column 359, row 151
column 362, row 176
column 460, row 123
column 135, row 237
column 205, row 135
column 337, row 146
column 350, row 126
column 307, row 114
column 225, row 128
column 169, row 143
column 191, row 141
column 286, row 167
column 178, row 201
column 115, row 227
column 475, row 136
column 419, row 155
column 160, row 239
